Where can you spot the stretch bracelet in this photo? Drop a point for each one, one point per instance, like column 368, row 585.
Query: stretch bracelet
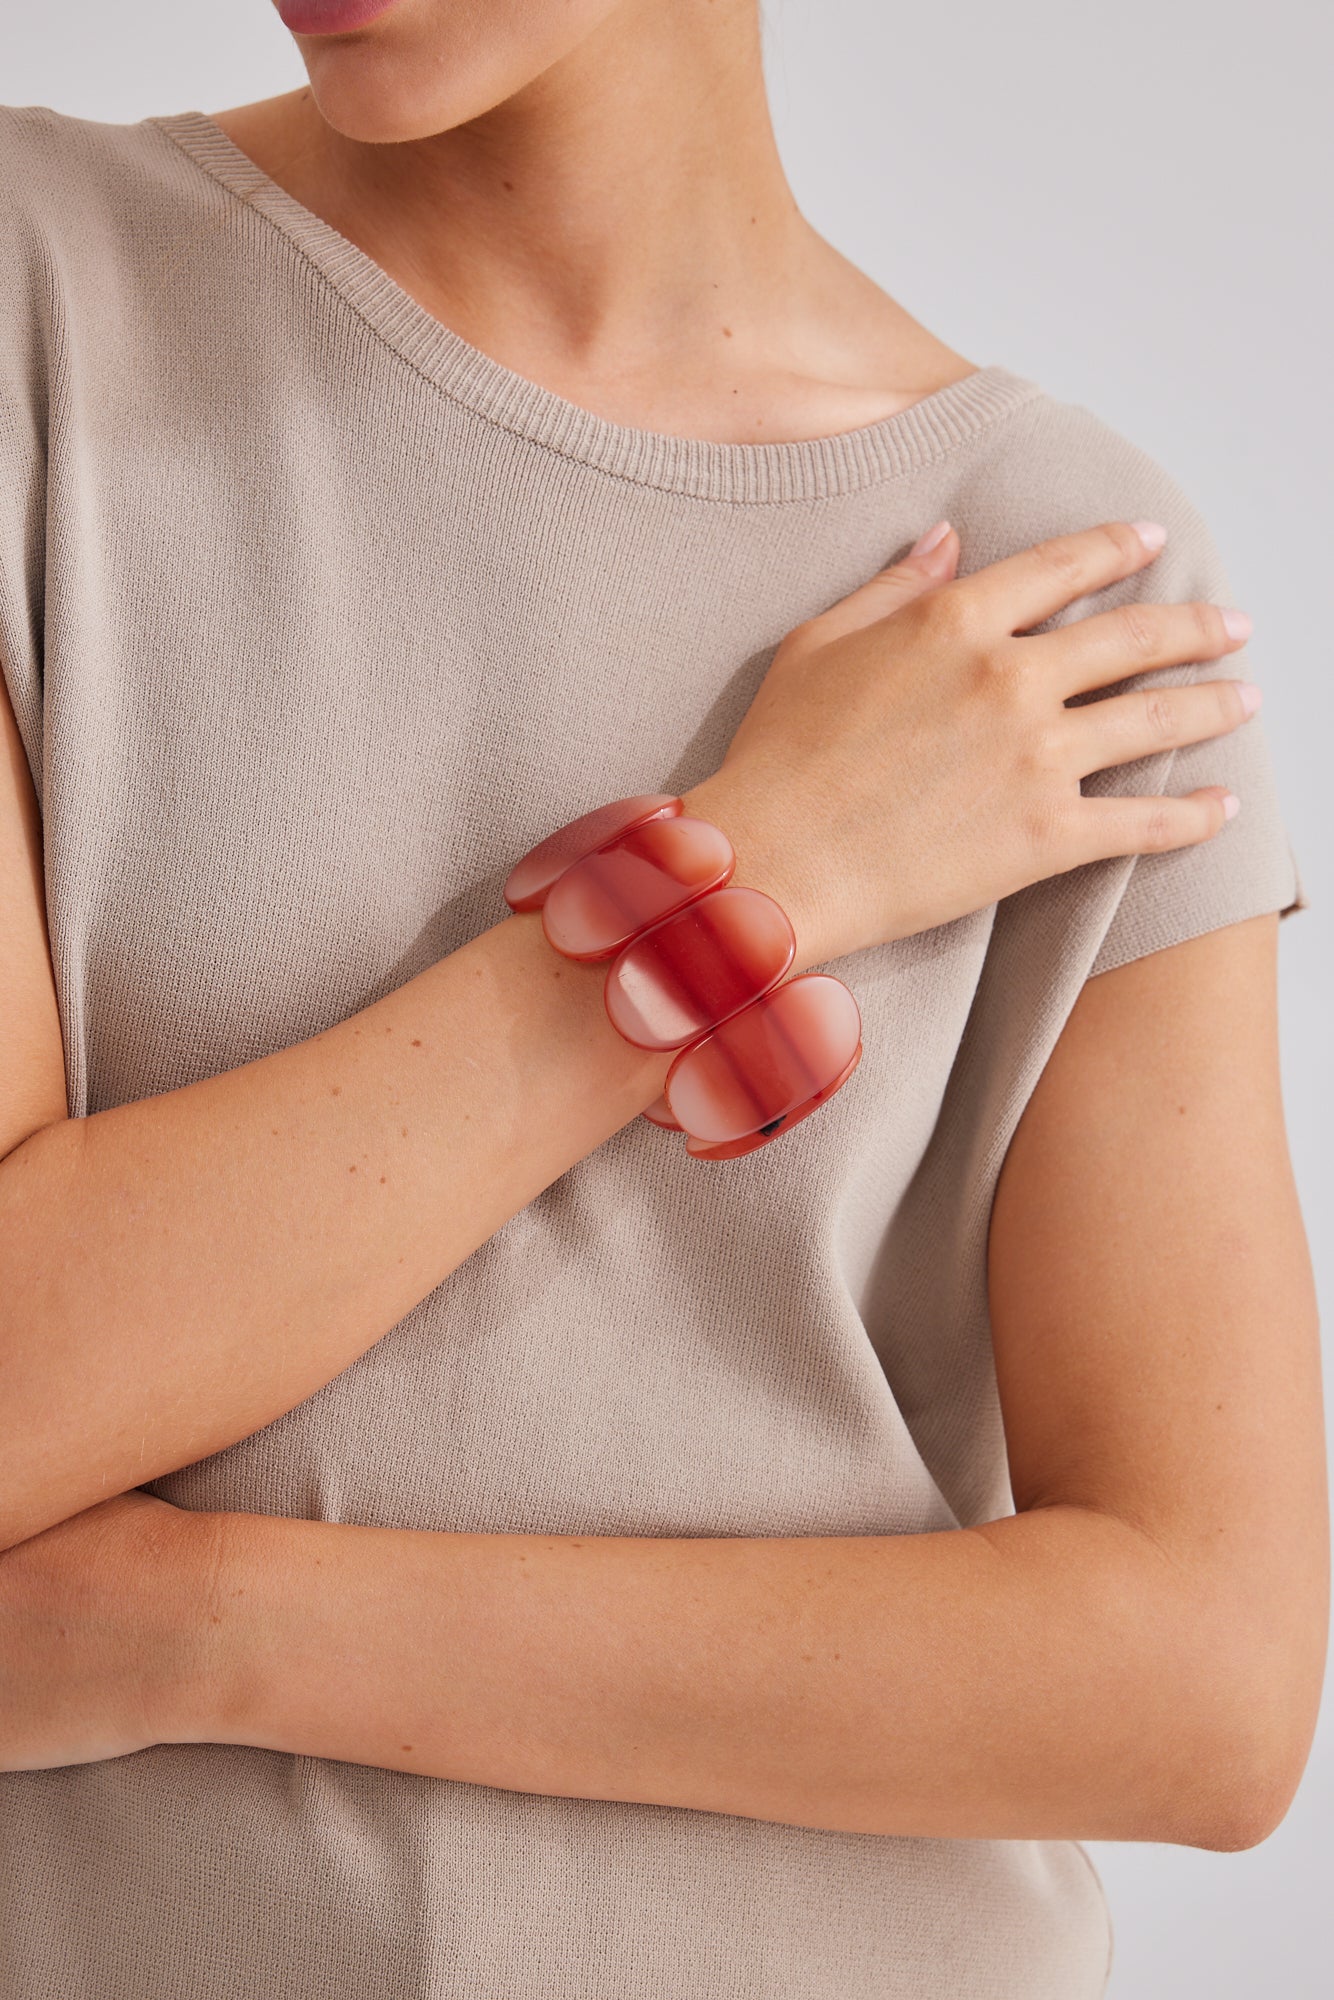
column 695, row 966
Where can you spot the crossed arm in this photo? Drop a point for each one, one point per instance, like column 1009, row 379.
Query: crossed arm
column 1135, row 1653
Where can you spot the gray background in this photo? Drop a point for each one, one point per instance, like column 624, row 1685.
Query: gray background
column 1131, row 206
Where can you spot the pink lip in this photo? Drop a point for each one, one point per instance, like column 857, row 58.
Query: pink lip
column 330, row 17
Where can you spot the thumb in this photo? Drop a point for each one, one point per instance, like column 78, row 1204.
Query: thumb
column 932, row 559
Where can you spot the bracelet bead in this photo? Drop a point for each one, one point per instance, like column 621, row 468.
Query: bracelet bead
column 782, row 1055
column 687, row 973
column 647, row 873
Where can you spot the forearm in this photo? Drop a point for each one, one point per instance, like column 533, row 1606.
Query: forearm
column 1044, row 1677
column 179, row 1271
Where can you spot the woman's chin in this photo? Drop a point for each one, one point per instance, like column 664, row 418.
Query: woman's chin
column 408, row 78
column 376, row 98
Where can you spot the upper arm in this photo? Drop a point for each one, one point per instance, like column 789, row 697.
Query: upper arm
column 32, row 1063
column 1153, row 1311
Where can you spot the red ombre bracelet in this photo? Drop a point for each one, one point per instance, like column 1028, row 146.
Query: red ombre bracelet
column 695, row 966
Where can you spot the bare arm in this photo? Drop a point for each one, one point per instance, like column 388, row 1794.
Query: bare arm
column 1135, row 1654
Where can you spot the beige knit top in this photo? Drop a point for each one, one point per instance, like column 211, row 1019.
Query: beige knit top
column 314, row 618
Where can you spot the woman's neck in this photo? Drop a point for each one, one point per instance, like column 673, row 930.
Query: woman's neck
column 622, row 231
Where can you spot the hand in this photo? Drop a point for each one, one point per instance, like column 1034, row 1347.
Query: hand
column 909, row 756
column 98, row 1615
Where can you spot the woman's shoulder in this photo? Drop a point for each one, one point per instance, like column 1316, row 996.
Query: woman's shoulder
column 72, row 185
column 40, row 147
column 98, row 222
column 1050, row 467
column 1053, row 466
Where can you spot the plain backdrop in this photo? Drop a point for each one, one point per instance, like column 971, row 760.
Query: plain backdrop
column 1131, row 205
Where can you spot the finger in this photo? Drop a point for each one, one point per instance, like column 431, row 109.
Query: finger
column 928, row 563
column 1111, row 645
column 1021, row 590
column 1127, row 726
column 1150, row 825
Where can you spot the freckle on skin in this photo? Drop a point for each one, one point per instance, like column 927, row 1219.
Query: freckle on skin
column 728, row 331
column 407, row 1746
column 214, row 1619
column 404, row 1130
column 416, row 1044
column 383, row 1179
column 352, row 1170
column 336, row 1090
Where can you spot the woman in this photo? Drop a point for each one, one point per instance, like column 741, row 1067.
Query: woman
column 455, row 1542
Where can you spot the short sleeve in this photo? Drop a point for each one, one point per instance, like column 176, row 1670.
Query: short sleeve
column 25, row 309
column 1245, row 871
column 1249, row 868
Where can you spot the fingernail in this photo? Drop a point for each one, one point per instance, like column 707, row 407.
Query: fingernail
column 930, row 540
column 1249, row 695
column 1231, row 805
column 1152, row 533
column 1237, row 624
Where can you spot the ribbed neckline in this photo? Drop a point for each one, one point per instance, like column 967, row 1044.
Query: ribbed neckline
column 740, row 474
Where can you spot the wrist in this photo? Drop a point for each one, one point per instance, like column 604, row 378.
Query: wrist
column 215, row 1687
column 576, row 1016
column 763, row 860
column 172, row 1591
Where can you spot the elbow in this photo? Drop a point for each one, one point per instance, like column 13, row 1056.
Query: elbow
column 1227, row 1692
column 1242, row 1807
column 1248, row 1763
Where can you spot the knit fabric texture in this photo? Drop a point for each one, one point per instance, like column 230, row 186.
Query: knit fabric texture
column 314, row 618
